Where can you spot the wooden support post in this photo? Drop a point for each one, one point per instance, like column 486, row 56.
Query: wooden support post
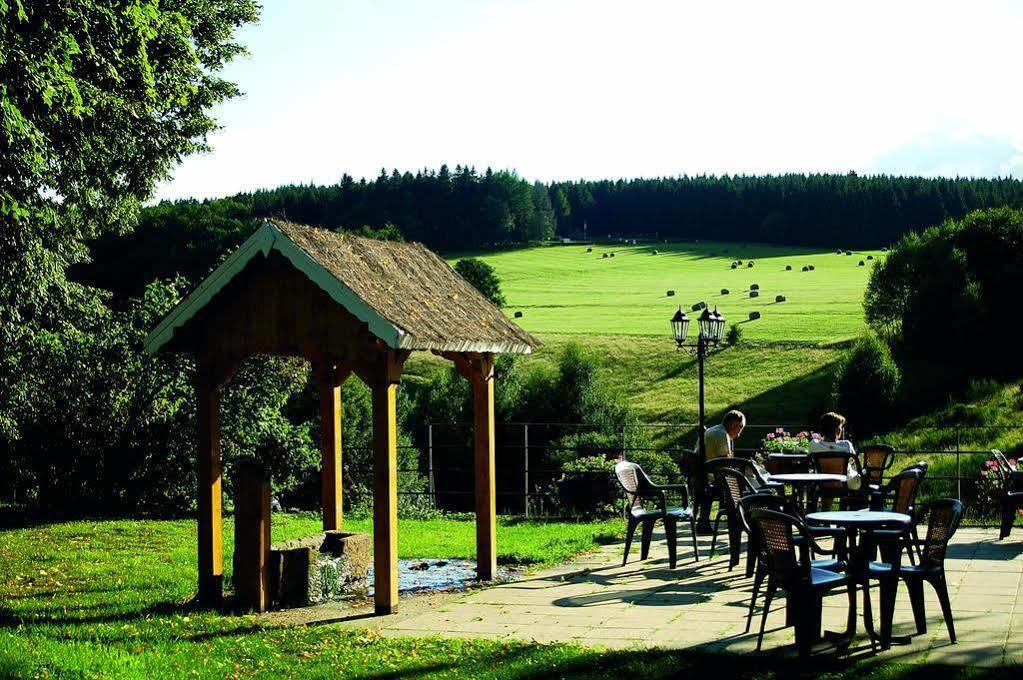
column 486, row 504
column 330, row 445
column 386, row 374
column 211, row 559
column 252, row 535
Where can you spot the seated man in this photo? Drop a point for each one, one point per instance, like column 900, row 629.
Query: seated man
column 717, row 442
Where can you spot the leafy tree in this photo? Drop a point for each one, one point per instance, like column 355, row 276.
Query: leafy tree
column 97, row 103
column 867, row 385
column 483, row 278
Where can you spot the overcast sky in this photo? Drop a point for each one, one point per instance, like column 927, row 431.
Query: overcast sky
column 565, row 89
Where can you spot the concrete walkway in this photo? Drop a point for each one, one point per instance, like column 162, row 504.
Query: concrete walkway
column 596, row 601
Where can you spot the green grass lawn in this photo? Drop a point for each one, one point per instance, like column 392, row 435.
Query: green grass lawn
column 564, row 289
column 108, row 599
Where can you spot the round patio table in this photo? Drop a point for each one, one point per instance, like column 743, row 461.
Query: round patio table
column 803, row 481
column 854, row 522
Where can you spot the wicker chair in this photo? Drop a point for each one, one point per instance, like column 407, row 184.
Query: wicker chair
column 837, row 463
column 875, row 459
column 945, row 515
column 753, row 476
column 639, row 491
column 781, row 537
column 1012, row 492
column 734, row 485
column 756, row 564
column 900, row 495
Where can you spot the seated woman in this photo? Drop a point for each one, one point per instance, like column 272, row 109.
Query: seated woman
column 833, row 454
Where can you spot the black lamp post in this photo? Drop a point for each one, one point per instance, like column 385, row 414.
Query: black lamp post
column 711, row 332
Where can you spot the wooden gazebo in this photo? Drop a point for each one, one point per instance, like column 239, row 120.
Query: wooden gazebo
column 347, row 305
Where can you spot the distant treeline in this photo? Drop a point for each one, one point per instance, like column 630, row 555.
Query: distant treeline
column 465, row 209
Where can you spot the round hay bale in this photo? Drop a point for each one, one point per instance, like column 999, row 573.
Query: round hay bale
column 805, row 268
column 870, row 257
column 749, row 264
column 788, row 267
column 724, row 291
column 738, row 262
column 655, row 252
column 811, row 266
column 734, row 265
column 697, row 307
column 838, row 252
column 670, row 293
column 604, row 256
column 589, row 250
column 753, row 316
column 861, row 264
column 779, row 298
column 848, row 252
column 518, row 315
column 754, row 293
column 612, row 254
column 754, row 286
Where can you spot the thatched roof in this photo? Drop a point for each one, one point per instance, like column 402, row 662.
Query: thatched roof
column 408, row 296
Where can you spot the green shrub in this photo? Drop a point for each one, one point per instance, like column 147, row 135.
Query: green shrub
column 867, row 385
column 734, row 335
column 483, row 278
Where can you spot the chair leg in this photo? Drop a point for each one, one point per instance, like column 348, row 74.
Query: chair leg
column 692, row 532
column 671, row 534
column 941, row 586
column 714, row 536
column 629, row 532
column 751, row 556
column 804, row 620
column 1008, row 517
column 768, row 596
column 916, row 599
column 648, row 533
column 889, row 588
column 734, row 542
column 758, row 579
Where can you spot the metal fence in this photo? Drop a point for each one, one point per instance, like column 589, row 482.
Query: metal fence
column 525, row 451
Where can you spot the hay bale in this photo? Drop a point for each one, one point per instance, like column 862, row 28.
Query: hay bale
column 734, row 265
column 604, row 256
column 838, row 252
column 655, row 252
column 779, row 298
column 754, row 293
column 753, row 316
column 754, row 286
column 805, row 268
column 738, row 262
column 861, row 264
column 589, row 250
column 518, row 315
column 848, row 252
column 870, row 257
column 612, row 254
column 788, row 267
column 884, row 249
column 670, row 293
column 749, row 264
column 697, row 307
column 724, row 291
column 812, row 267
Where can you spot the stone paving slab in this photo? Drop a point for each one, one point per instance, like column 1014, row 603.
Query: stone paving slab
column 596, row 601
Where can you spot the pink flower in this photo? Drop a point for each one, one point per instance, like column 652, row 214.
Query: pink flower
column 780, row 430
column 770, row 435
column 983, row 473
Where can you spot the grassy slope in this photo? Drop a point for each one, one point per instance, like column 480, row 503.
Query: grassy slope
column 564, row 289
column 82, row 600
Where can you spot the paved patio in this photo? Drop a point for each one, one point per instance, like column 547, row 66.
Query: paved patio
column 596, row 601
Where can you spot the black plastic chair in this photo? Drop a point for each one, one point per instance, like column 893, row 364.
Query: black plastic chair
column 837, row 463
column 945, row 515
column 756, row 560
column 640, row 490
column 804, row 584
column 875, row 460
column 1012, row 492
column 734, row 485
column 753, row 476
column 899, row 495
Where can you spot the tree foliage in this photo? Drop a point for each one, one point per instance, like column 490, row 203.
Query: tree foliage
column 482, row 277
column 867, row 386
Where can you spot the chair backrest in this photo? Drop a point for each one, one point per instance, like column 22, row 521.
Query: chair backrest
column 946, row 513
column 733, row 485
column 634, row 482
column 833, row 462
column 1005, row 468
column 765, row 501
column 774, row 533
column 875, row 460
column 904, row 487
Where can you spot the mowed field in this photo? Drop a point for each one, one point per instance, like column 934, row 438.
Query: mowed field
column 566, row 290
